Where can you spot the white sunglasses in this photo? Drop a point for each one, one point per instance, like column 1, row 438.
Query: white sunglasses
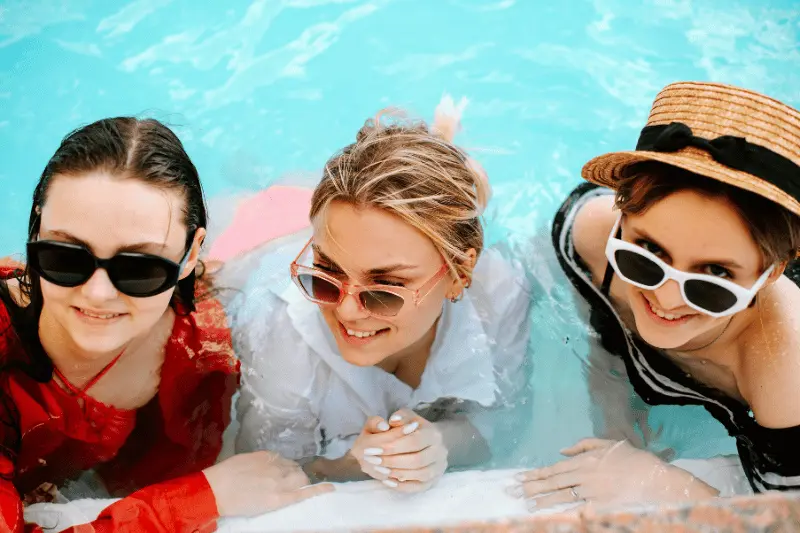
column 710, row 295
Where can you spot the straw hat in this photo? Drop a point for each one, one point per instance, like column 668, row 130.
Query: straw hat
column 722, row 132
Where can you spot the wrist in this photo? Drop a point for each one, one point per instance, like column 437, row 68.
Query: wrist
column 316, row 469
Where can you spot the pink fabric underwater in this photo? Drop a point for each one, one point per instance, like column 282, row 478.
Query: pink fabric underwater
column 272, row 213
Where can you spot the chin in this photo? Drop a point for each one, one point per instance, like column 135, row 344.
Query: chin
column 662, row 337
column 98, row 346
column 357, row 357
column 98, row 342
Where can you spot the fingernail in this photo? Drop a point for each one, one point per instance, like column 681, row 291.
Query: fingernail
column 373, row 451
column 531, row 505
column 520, row 477
column 373, row 460
column 389, row 483
column 411, row 428
column 383, row 426
column 515, row 491
column 396, row 418
column 383, row 470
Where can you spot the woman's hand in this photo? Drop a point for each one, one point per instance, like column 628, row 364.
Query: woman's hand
column 255, row 483
column 406, row 454
column 604, row 472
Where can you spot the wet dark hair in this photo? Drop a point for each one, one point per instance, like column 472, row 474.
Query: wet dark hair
column 126, row 148
column 775, row 230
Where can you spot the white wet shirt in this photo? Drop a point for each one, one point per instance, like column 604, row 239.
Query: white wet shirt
column 301, row 399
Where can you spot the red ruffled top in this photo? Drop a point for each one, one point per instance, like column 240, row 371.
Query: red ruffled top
column 156, row 452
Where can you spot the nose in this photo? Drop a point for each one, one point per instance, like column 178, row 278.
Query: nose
column 350, row 309
column 99, row 288
column 668, row 296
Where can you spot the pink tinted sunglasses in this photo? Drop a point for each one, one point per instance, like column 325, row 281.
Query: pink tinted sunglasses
column 380, row 300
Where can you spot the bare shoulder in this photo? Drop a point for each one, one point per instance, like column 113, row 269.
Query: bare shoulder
column 590, row 233
column 16, row 292
column 771, row 363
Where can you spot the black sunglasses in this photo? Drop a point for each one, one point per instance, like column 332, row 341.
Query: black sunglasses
column 134, row 274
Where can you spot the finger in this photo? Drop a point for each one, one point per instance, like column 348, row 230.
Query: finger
column 532, row 489
column 402, row 417
column 377, row 472
column 284, row 499
column 376, row 424
column 296, row 479
column 418, row 440
column 561, row 467
column 407, row 486
column 560, row 497
column 412, row 461
column 422, row 475
column 375, row 444
column 586, row 445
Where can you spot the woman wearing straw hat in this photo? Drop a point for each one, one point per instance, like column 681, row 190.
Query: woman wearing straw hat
column 684, row 249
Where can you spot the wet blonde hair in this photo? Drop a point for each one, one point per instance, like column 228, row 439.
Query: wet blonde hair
column 414, row 172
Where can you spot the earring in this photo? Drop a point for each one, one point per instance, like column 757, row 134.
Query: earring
column 458, row 298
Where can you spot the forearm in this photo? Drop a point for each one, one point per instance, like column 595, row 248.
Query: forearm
column 345, row 468
column 693, row 488
column 465, row 445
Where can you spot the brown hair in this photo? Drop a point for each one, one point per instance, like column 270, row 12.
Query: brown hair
column 775, row 230
column 403, row 167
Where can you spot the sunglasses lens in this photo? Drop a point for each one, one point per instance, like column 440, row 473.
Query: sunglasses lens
column 62, row 265
column 318, row 288
column 382, row 303
column 709, row 296
column 142, row 276
column 638, row 268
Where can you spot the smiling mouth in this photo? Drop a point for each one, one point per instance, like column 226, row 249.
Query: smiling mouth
column 361, row 334
column 96, row 315
column 356, row 335
column 669, row 317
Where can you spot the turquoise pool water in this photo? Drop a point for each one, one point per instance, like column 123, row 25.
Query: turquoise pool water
column 264, row 89
column 258, row 89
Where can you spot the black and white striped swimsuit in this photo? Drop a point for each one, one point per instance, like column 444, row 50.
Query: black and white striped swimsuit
column 770, row 457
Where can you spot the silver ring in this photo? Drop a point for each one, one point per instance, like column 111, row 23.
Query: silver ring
column 574, row 494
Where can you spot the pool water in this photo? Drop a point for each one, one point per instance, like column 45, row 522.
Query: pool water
column 266, row 90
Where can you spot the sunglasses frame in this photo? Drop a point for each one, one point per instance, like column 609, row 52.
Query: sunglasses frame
column 743, row 295
column 349, row 289
column 170, row 282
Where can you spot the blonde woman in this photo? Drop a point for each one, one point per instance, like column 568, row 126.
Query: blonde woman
column 397, row 335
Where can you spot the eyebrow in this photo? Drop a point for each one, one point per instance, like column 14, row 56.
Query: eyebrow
column 728, row 263
column 134, row 247
column 397, row 267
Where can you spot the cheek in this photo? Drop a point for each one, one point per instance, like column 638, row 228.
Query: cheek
column 417, row 320
column 53, row 294
column 147, row 308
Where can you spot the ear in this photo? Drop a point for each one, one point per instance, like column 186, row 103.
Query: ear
column 777, row 273
column 459, row 284
column 194, row 254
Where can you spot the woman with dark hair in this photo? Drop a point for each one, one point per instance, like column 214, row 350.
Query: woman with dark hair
column 115, row 361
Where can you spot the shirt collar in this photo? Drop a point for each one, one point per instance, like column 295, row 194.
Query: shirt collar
column 460, row 364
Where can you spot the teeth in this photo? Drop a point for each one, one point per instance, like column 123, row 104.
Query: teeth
column 662, row 314
column 93, row 315
column 361, row 334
